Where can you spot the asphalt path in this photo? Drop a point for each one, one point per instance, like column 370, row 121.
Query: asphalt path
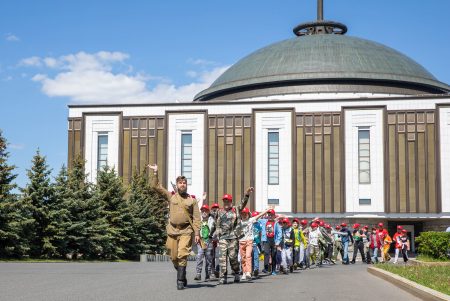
column 157, row 281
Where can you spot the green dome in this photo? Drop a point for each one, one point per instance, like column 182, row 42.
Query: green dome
column 325, row 63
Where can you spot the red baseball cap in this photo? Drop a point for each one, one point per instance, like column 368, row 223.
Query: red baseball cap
column 356, row 226
column 204, row 207
column 314, row 225
column 227, row 197
column 380, row 225
column 338, row 227
column 399, row 228
column 343, row 225
column 255, row 213
column 245, row 210
column 271, row 211
column 215, row 205
column 304, row 222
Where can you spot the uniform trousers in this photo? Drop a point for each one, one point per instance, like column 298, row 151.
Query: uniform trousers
column 179, row 247
column 228, row 249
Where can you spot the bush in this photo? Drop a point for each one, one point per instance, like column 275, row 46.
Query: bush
column 434, row 244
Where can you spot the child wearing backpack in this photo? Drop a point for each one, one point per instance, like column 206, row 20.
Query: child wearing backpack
column 287, row 244
column 205, row 248
column 246, row 225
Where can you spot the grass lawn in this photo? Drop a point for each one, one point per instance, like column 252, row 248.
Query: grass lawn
column 435, row 277
column 427, row 258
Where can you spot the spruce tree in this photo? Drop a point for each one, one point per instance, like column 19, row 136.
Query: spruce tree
column 109, row 192
column 87, row 234
column 55, row 242
column 149, row 208
column 36, row 198
column 12, row 221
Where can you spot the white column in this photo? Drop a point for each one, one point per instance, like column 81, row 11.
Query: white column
column 354, row 191
column 177, row 124
column 444, row 124
column 93, row 126
column 280, row 121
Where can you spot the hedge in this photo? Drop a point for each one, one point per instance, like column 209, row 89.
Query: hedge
column 434, row 244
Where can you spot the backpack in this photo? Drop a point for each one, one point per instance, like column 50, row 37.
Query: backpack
column 270, row 229
column 257, row 233
column 204, row 231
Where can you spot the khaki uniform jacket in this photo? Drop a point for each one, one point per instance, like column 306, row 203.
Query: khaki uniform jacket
column 179, row 208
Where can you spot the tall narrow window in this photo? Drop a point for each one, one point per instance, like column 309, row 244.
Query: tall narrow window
column 186, row 156
column 102, row 151
column 273, row 157
column 364, row 155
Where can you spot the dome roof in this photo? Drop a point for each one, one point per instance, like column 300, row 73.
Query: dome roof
column 323, row 63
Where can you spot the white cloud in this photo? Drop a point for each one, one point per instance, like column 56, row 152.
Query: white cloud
column 11, row 38
column 202, row 62
column 31, row 61
column 17, row 146
column 103, row 77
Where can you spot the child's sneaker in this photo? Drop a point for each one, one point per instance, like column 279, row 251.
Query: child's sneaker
column 274, row 273
column 198, row 277
column 244, row 277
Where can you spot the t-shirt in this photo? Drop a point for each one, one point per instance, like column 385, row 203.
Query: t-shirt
column 296, row 238
column 247, row 229
column 314, row 237
column 270, row 229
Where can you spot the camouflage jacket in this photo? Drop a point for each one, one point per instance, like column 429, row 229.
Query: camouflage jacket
column 227, row 220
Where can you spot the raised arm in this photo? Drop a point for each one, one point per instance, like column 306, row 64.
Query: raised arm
column 262, row 213
column 244, row 200
column 155, row 180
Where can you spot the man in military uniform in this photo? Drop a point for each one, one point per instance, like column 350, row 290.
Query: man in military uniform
column 227, row 221
column 184, row 220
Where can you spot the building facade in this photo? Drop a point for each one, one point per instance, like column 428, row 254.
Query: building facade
column 321, row 125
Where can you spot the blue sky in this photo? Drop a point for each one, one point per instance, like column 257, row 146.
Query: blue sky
column 53, row 53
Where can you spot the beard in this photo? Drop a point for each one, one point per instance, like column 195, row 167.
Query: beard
column 182, row 192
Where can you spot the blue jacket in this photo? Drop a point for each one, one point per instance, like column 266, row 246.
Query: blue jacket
column 278, row 232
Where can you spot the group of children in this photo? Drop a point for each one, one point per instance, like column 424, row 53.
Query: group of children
column 234, row 233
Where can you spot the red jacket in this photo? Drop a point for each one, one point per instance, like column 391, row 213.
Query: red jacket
column 396, row 238
column 373, row 238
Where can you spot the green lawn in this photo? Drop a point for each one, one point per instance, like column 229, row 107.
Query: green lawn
column 427, row 258
column 435, row 277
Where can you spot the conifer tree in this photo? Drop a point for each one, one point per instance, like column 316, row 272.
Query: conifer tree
column 87, row 233
column 35, row 201
column 149, row 208
column 12, row 221
column 109, row 192
column 55, row 242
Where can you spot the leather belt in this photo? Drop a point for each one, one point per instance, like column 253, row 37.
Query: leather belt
column 179, row 227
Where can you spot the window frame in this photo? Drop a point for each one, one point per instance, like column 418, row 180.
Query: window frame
column 273, row 156
column 368, row 157
column 101, row 135
column 183, row 159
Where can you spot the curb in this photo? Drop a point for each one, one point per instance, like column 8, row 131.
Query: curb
column 411, row 287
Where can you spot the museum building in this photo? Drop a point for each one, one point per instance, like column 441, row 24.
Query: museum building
column 322, row 124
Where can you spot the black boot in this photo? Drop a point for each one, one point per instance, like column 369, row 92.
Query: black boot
column 184, row 276
column 180, row 284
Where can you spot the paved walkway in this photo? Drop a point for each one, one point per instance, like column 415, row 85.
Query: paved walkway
column 156, row 281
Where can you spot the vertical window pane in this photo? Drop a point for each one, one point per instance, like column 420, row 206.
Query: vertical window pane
column 273, row 160
column 102, row 150
column 364, row 155
column 186, row 156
